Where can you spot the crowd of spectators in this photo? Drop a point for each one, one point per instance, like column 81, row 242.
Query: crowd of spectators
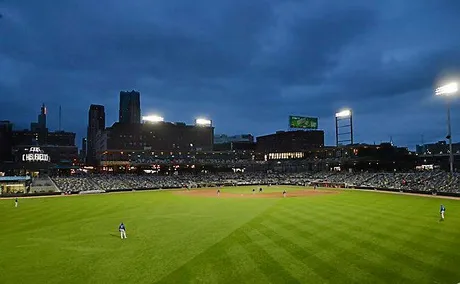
column 74, row 183
column 431, row 181
column 180, row 161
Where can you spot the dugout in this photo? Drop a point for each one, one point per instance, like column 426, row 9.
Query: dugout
column 13, row 185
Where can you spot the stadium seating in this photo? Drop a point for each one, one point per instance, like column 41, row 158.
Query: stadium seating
column 428, row 181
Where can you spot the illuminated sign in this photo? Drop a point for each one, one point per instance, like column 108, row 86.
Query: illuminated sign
column 302, row 122
column 35, row 155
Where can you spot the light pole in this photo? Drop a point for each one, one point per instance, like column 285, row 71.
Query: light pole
column 448, row 91
column 348, row 116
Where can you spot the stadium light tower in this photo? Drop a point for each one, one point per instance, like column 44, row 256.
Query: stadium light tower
column 344, row 115
column 448, row 91
column 153, row 118
column 203, row 122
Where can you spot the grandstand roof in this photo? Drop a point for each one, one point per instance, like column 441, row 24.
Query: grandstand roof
column 14, row 178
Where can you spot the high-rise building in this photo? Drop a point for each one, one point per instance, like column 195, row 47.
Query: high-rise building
column 40, row 126
column 61, row 138
column 42, row 117
column 96, row 123
column 84, row 147
column 130, row 107
column 6, row 140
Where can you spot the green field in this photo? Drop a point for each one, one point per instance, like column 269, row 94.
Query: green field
column 351, row 237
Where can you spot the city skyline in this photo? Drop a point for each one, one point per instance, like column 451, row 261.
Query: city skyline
column 246, row 66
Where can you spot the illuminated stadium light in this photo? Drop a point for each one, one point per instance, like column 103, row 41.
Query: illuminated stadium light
column 343, row 113
column 153, row 118
column 448, row 89
column 203, row 122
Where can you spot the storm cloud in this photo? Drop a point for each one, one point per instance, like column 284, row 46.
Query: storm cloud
column 247, row 65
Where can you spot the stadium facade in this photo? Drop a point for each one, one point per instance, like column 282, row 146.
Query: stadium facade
column 166, row 137
column 290, row 141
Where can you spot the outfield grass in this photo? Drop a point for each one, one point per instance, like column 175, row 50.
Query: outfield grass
column 351, row 237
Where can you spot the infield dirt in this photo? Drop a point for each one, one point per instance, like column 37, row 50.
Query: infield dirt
column 224, row 194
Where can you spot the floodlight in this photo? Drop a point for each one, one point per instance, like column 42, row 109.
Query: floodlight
column 343, row 113
column 448, row 89
column 153, row 118
column 203, row 122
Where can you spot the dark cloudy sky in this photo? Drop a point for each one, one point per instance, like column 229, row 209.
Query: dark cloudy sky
column 247, row 64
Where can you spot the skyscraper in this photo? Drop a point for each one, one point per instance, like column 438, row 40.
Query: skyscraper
column 130, row 107
column 96, row 122
column 40, row 126
column 42, row 117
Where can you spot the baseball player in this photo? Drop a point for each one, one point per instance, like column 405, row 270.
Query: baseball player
column 253, row 191
column 260, row 189
column 442, row 211
column 218, row 192
column 284, row 193
column 16, row 202
column 122, row 230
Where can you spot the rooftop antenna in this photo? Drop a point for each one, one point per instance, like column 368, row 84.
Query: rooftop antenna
column 60, row 117
column 423, row 144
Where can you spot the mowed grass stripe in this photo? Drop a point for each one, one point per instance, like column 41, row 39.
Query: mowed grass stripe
column 227, row 255
column 273, row 270
column 404, row 222
column 290, row 262
column 390, row 236
column 338, row 250
column 225, row 262
column 214, row 265
column 387, row 235
column 328, row 272
column 314, row 241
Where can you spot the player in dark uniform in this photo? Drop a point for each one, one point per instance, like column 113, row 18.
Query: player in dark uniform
column 442, row 212
column 122, row 230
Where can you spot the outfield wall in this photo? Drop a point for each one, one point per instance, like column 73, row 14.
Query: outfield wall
column 343, row 186
column 208, row 185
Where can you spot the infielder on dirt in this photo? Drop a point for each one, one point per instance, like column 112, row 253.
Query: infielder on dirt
column 284, row 193
column 218, row 192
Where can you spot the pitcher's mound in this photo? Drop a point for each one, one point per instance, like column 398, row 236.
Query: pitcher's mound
column 223, row 194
